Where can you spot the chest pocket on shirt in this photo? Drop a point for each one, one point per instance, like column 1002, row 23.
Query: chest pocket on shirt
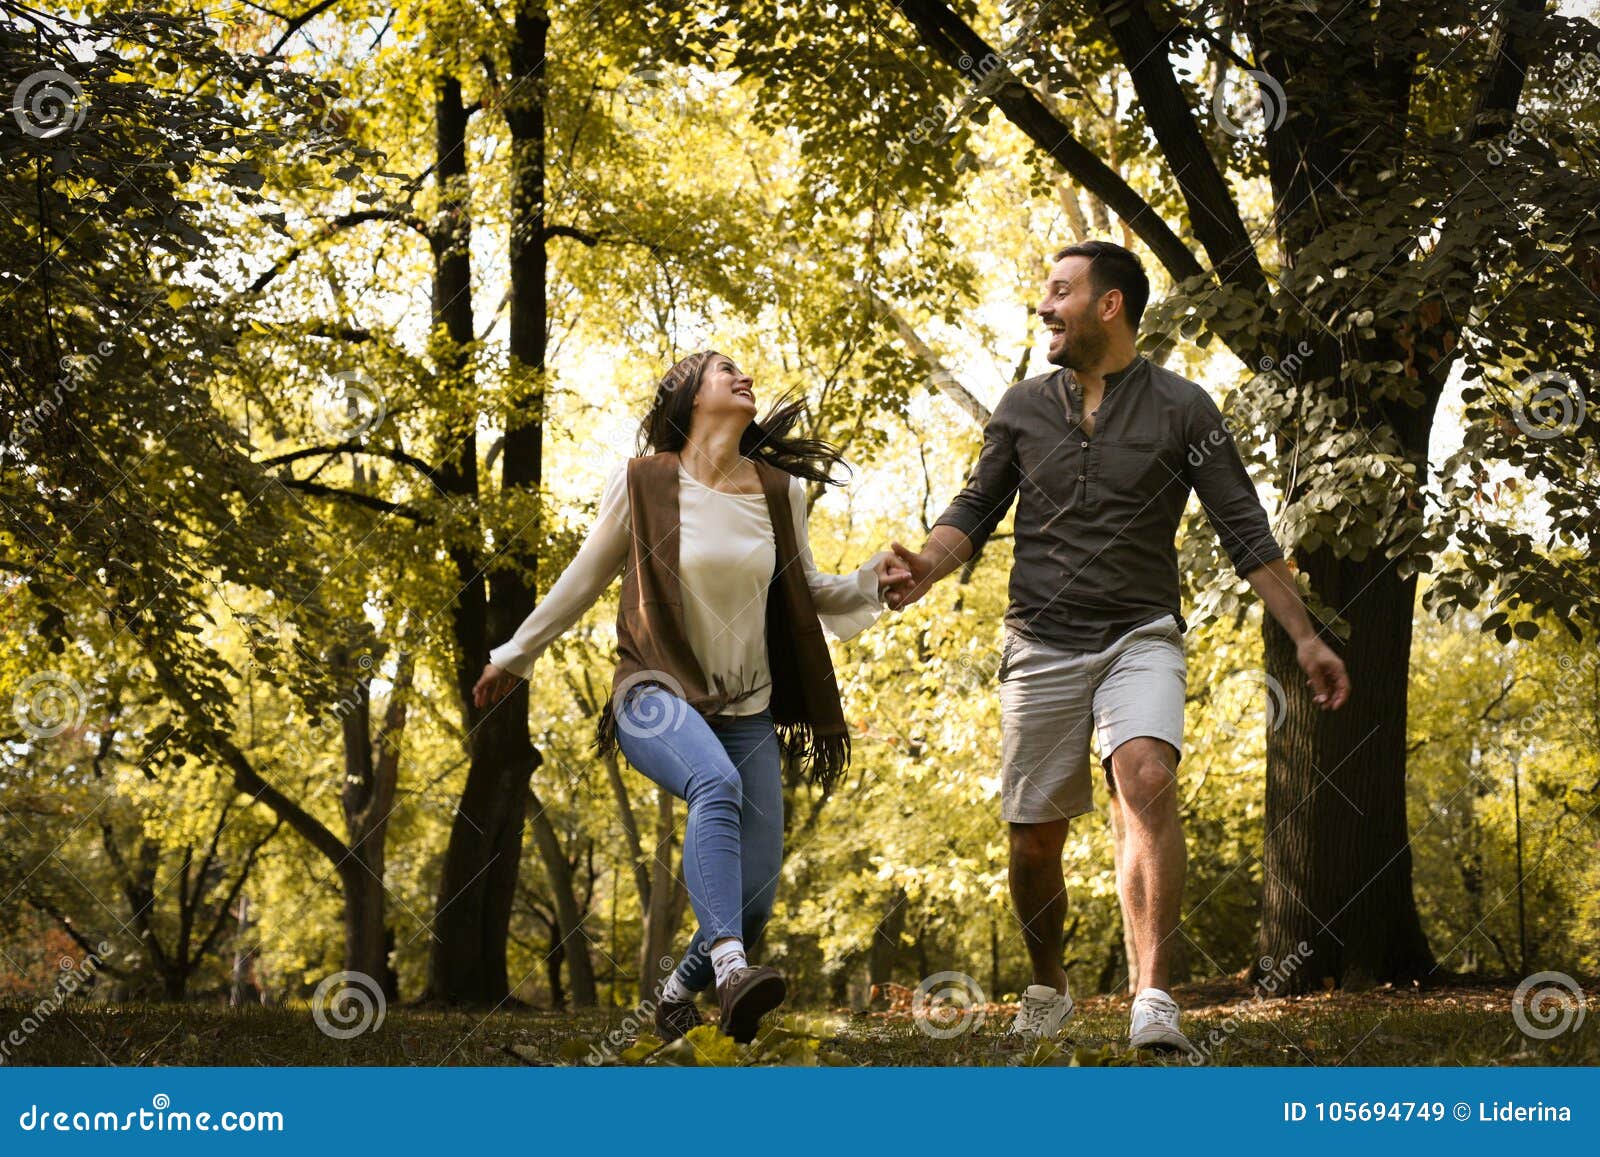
column 1128, row 467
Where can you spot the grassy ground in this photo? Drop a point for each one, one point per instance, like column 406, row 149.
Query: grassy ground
column 1460, row 1025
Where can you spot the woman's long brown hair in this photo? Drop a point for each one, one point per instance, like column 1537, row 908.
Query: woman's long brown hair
column 666, row 426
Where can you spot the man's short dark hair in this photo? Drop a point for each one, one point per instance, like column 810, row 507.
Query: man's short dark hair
column 1113, row 267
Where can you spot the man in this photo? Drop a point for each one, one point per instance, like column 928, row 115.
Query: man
column 1103, row 452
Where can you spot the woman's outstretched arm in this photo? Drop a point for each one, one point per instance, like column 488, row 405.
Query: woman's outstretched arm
column 597, row 562
column 849, row 603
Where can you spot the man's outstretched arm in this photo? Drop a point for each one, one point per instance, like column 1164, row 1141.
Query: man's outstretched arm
column 971, row 517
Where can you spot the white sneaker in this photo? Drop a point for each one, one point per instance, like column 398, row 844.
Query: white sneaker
column 1155, row 1023
column 1041, row 1015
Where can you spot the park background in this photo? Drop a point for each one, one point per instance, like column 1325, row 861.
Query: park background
column 325, row 324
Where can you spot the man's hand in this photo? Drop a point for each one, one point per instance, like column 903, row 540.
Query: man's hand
column 946, row 549
column 891, row 573
column 1330, row 684
column 918, row 574
column 493, row 685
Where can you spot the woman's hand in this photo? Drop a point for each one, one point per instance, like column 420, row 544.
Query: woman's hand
column 892, row 574
column 493, row 685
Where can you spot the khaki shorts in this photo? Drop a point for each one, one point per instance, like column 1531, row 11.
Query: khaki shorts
column 1050, row 700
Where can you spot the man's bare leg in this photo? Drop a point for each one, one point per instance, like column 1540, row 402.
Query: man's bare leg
column 1119, row 846
column 1039, row 893
column 1153, row 856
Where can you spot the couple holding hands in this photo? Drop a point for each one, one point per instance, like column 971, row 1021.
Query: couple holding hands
column 722, row 657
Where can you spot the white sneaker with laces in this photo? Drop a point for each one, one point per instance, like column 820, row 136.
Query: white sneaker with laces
column 1042, row 1013
column 1155, row 1023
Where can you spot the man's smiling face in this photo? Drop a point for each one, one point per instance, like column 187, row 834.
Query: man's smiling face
column 1070, row 312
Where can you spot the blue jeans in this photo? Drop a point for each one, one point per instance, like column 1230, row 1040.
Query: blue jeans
column 727, row 769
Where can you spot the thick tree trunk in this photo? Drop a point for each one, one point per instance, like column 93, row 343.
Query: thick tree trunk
column 371, row 776
column 552, row 967
column 473, row 917
column 1338, row 856
column 1337, row 860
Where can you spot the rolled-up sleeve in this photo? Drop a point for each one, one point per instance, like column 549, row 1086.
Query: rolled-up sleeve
column 1226, row 492
column 992, row 486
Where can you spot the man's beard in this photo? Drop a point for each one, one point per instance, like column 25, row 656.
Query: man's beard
column 1079, row 351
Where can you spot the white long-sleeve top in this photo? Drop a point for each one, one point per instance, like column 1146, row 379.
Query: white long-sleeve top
column 726, row 556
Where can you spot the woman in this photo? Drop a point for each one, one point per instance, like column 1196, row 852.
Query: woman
column 721, row 653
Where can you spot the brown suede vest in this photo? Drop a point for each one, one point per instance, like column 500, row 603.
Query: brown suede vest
column 653, row 648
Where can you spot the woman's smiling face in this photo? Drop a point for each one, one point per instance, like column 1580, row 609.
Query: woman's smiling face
column 725, row 389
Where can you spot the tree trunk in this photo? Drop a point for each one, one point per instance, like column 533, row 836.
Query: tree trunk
column 552, row 966
column 1338, row 857
column 473, row 915
column 569, row 915
column 370, row 779
column 366, row 948
column 885, row 950
column 243, row 956
column 660, row 921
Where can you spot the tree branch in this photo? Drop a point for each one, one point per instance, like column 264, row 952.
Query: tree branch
column 45, row 906
column 394, row 455
column 1213, row 213
column 1501, row 88
column 249, row 781
column 369, row 501
column 954, row 41
column 225, row 909
column 295, row 23
column 336, row 226
column 940, row 378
